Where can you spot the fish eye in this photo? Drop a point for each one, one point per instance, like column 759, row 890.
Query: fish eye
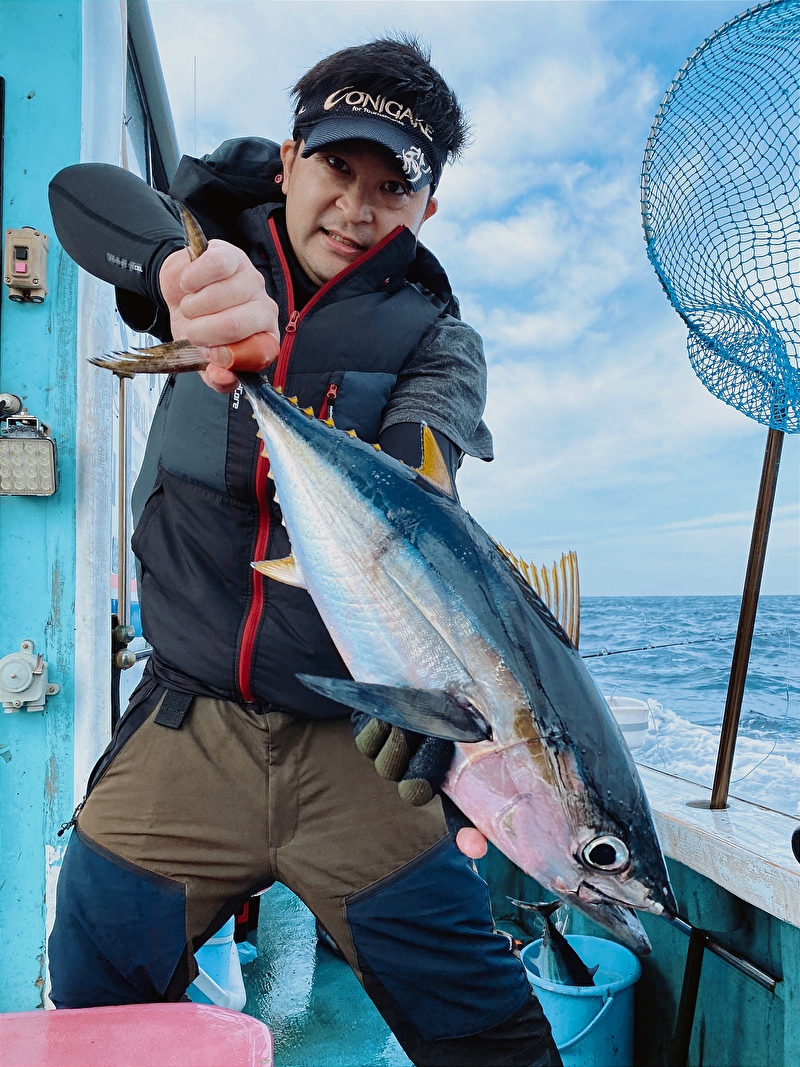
column 606, row 854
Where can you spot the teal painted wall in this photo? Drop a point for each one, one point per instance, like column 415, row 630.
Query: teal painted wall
column 40, row 60
column 738, row 1022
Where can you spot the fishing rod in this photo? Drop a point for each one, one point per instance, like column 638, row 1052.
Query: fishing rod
column 675, row 644
column 143, row 653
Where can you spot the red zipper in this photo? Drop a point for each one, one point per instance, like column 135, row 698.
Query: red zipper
column 325, row 412
column 257, row 599
column 247, row 646
column 282, row 366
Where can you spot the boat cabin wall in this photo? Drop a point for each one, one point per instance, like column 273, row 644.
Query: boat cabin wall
column 40, row 62
column 82, row 83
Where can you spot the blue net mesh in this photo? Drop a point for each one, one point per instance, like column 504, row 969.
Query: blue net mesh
column 721, row 204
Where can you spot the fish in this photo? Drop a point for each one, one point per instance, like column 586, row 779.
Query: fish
column 443, row 636
column 557, row 962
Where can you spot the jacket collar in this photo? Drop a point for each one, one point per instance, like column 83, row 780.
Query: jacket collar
column 397, row 261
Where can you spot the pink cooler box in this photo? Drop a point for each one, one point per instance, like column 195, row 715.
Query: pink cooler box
column 137, row 1035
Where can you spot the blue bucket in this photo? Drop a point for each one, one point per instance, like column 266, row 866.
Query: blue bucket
column 592, row 1025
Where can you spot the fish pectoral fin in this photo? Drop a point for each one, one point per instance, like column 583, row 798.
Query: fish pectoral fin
column 434, row 468
column 286, row 570
column 433, row 712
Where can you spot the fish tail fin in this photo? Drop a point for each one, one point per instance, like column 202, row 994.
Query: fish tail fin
column 545, row 908
column 173, row 357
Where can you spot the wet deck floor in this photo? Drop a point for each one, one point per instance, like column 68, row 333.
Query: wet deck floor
column 318, row 1013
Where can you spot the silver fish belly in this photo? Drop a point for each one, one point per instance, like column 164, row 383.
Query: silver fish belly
column 418, row 598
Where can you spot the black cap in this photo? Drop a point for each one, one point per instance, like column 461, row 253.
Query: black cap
column 353, row 114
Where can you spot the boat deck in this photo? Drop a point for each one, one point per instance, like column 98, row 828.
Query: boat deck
column 318, row 1013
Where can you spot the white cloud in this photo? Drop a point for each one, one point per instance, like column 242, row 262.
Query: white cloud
column 616, row 417
column 780, row 516
column 605, row 439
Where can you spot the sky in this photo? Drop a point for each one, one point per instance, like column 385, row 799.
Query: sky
column 605, row 441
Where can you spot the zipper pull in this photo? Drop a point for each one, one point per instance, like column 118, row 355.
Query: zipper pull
column 291, row 325
column 326, row 412
column 68, row 825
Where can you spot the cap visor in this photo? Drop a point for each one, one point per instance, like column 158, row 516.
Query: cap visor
column 333, row 130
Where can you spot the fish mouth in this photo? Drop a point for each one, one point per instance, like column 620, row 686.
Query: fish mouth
column 630, row 893
column 619, row 919
column 620, row 916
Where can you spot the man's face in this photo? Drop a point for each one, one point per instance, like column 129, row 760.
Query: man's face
column 343, row 200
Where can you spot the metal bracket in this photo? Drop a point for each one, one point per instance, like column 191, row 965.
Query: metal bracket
column 23, row 680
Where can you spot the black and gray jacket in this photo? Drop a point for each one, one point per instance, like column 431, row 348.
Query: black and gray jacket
column 379, row 346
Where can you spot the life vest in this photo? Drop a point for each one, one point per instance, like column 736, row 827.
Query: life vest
column 203, row 506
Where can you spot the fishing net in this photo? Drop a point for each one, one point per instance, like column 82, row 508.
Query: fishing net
column 721, row 210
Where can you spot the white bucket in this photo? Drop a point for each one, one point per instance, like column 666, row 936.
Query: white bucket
column 220, row 979
column 633, row 718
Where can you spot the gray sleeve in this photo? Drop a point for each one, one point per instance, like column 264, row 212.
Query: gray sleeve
column 443, row 383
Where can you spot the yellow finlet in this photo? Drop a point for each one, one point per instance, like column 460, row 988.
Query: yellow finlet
column 281, row 570
column 377, row 448
column 309, row 411
column 329, row 422
column 259, row 434
column 433, row 466
column 558, row 586
column 351, row 433
column 278, row 389
column 264, row 453
column 293, row 400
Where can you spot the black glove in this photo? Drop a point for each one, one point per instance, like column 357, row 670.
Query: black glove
column 417, row 763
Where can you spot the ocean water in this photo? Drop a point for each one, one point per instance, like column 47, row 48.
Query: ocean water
column 686, row 683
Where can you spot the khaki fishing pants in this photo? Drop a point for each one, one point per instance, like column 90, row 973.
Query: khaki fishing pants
column 182, row 825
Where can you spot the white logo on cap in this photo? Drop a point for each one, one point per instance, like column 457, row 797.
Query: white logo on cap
column 415, row 165
column 380, row 106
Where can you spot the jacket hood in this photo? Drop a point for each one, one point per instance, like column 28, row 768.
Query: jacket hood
column 218, row 187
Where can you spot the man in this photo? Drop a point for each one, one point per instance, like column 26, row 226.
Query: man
column 226, row 773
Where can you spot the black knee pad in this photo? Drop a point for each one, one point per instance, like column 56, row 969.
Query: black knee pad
column 119, row 934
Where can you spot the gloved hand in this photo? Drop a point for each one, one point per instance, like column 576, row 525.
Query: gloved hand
column 418, row 764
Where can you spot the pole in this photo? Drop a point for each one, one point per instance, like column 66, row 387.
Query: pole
column 747, row 619
column 688, row 1005
column 123, row 581
column 121, row 631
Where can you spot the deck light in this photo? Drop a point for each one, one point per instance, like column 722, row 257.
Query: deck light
column 27, row 458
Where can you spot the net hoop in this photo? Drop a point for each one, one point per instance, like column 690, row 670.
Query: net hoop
column 720, row 199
